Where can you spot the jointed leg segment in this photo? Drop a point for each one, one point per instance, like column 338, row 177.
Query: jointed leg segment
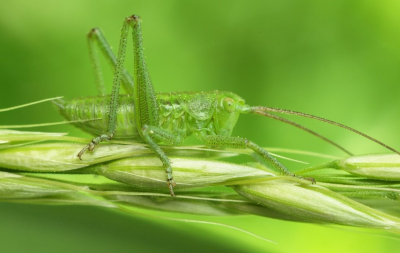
column 96, row 37
column 145, row 102
column 149, row 133
column 93, row 144
column 239, row 142
column 146, row 114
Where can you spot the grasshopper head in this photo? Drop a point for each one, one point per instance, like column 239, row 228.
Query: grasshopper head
column 229, row 107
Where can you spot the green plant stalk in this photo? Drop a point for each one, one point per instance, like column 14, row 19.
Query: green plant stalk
column 130, row 175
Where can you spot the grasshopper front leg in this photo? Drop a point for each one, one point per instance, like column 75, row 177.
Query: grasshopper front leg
column 239, row 142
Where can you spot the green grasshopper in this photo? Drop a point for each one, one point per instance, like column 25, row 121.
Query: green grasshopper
column 166, row 118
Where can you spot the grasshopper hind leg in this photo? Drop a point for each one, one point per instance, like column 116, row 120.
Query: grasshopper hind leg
column 93, row 143
column 164, row 159
column 152, row 133
column 96, row 37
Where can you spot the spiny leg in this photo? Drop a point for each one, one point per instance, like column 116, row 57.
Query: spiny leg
column 239, row 142
column 96, row 37
column 119, row 68
column 94, row 58
column 150, row 135
column 93, row 144
column 146, row 107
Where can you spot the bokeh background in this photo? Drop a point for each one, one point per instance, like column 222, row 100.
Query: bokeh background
column 336, row 59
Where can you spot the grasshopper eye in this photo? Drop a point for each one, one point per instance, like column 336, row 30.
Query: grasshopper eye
column 229, row 104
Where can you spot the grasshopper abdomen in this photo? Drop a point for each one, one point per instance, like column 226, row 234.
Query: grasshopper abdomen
column 93, row 111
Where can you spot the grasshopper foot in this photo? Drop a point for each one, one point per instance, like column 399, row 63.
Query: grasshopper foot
column 171, row 183
column 311, row 179
column 93, row 144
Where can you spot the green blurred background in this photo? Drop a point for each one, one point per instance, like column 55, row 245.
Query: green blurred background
column 336, row 59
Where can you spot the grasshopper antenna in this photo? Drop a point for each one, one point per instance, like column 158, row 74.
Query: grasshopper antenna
column 262, row 110
column 305, row 129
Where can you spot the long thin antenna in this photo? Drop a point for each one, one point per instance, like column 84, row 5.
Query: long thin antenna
column 257, row 109
column 302, row 128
